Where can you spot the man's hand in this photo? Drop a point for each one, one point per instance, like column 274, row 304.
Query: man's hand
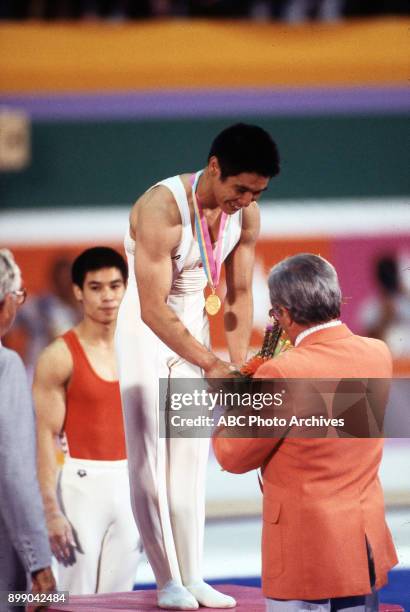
column 61, row 537
column 220, row 369
column 43, row 581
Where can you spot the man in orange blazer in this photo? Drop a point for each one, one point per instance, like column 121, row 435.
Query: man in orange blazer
column 325, row 542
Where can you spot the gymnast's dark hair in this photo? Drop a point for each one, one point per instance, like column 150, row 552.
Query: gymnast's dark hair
column 97, row 258
column 245, row 148
column 307, row 286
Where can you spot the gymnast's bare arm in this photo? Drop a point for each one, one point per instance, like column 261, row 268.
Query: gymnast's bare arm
column 53, row 371
column 238, row 305
column 155, row 224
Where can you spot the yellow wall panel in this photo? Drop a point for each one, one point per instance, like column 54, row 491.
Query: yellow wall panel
column 64, row 57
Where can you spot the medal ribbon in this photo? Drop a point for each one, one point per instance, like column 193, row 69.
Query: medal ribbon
column 212, row 265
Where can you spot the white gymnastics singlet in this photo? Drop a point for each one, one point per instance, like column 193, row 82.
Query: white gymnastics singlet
column 167, row 476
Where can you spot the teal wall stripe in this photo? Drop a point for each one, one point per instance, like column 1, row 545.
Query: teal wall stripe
column 101, row 163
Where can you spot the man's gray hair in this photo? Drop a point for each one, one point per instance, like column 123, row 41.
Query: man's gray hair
column 307, row 286
column 10, row 275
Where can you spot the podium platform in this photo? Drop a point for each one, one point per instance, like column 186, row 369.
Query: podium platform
column 250, row 599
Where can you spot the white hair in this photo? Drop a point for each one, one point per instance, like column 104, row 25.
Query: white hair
column 10, row 275
column 307, row 285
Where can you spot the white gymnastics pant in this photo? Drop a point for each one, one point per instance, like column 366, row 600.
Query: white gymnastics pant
column 96, row 500
column 167, row 478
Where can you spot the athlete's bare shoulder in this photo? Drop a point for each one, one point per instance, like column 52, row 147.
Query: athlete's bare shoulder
column 158, row 207
column 55, row 364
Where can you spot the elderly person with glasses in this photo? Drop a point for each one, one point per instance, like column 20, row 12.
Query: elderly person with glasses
column 24, row 547
column 326, row 546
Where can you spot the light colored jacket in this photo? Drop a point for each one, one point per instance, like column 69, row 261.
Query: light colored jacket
column 24, row 545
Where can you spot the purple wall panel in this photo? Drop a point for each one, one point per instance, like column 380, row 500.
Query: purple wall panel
column 213, row 103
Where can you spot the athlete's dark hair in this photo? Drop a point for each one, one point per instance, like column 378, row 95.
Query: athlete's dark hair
column 245, row 148
column 96, row 259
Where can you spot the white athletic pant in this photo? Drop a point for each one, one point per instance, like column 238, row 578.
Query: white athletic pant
column 95, row 498
column 167, row 476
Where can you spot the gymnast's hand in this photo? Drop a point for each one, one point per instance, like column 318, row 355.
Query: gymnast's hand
column 220, row 369
column 61, row 538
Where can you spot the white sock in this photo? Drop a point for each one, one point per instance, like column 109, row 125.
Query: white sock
column 174, row 596
column 209, row 597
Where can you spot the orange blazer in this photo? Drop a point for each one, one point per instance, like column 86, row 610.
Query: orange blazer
column 321, row 497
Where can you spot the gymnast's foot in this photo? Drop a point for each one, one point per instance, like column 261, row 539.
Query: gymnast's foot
column 176, row 597
column 209, row 597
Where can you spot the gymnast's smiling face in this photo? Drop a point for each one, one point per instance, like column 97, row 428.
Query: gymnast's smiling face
column 235, row 192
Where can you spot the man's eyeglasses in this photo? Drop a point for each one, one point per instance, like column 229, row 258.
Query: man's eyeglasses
column 275, row 312
column 21, row 295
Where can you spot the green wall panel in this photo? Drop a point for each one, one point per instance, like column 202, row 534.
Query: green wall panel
column 102, row 163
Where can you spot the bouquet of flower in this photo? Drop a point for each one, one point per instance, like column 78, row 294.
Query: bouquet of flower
column 274, row 342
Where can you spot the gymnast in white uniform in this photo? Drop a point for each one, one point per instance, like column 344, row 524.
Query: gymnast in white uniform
column 181, row 230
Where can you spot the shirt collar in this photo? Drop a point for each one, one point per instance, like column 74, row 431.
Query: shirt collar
column 315, row 328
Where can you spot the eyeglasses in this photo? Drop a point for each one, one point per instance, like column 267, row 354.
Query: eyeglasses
column 275, row 312
column 21, row 295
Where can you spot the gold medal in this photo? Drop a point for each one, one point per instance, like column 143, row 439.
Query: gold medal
column 211, row 261
column 212, row 304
